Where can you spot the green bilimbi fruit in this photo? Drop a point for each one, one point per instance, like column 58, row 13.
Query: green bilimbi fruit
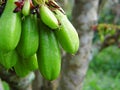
column 24, row 66
column 10, row 27
column 8, row 59
column 49, row 58
column 40, row 2
column 31, row 62
column 66, row 35
column 26, row 8
column 29, row 40
column 48, row 17
column 20, row 68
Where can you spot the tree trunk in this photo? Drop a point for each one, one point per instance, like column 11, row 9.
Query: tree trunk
column 75, row 67
column 37, row 83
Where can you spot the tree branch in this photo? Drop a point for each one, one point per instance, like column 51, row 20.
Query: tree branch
column 15, row 82
column 110, row 40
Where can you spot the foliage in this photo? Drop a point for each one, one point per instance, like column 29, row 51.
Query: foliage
column 106, row 22
column 103, row 31
column 103, row 73
column 101, row 81
column 108, row 15
column 107, row 61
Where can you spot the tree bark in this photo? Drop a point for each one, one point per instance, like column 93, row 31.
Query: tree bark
column 15, row 82
column 75, row 66
column 37, row 83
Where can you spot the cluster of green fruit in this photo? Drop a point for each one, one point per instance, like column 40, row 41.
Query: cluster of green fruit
column 32, row 41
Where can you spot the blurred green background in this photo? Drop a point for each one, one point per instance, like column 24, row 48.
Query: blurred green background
column 104, row 71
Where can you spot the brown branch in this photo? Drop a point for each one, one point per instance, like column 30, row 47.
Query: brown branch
column 15, row 82
column 110, row 40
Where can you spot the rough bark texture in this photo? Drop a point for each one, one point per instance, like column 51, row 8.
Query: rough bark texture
column 41, row 84
column 75, row 67
column 37, row 83
column 15, row 82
